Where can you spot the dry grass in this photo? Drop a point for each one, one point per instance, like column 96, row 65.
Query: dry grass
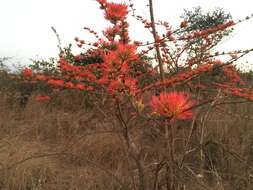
column 43, row 147
column 66, row 145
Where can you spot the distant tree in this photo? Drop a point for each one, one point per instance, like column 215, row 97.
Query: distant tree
column 3, row 66
column 197, row 20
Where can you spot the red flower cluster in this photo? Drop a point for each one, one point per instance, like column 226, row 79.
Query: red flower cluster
column 173, row 105
column 181, row 77
column 79, row 86
column 79, row 71
column 116, row 69
column 27, row 72
column 66, row 66
column 128, row 85
column 56, row 82
column 111, row 32
column 69, row 85
column 41, row 77
column 208, row 31
column 232, row 74
column 115, row 12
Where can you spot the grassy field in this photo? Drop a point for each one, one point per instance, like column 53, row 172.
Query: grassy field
column 68, row 144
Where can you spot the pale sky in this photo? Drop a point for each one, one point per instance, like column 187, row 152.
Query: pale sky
column 26, row 24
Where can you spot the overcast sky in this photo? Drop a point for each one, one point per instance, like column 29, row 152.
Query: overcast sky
column 26, row 24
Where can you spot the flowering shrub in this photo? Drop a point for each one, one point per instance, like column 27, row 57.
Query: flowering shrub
column 116, row 67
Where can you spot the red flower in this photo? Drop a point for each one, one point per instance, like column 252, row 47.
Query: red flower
column 87, row 74
column 64, row 65
column 69, row 85
column 27, row 72
column 80, row 87
column 131, row 84
column 117, row 61
column 122, row 86
column 114, row 86
column 103, row 3
column 115, row 11
column 111, row 32
column 103, row 80
column 55, row 82
column 40, row 98
column 41, row 77
column 126, row 52
column 174, row 105
column 124, row 68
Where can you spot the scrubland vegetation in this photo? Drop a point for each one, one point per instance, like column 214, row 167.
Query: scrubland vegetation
column 109, row 118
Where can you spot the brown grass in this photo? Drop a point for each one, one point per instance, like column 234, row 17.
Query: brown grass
column 68, row 145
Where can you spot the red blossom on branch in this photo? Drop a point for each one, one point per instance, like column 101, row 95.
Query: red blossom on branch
column 41, row 77
column 173, row 105
column 131, row 85
column 27, row 72
column 69, row 85
column 115, row 11
column 80, row 86
column 56, row 82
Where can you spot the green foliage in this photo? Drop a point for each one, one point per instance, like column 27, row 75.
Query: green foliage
column 198, row 20
column 3, row 66
column 44, row 66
